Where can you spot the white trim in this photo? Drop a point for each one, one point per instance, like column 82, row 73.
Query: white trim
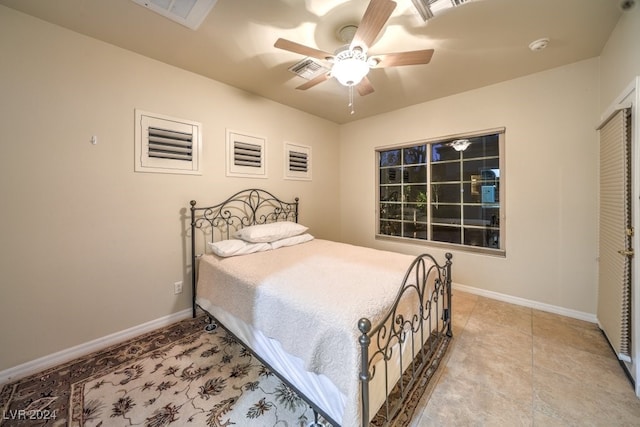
column 634, row 364
column 612, row 112
column 145, row 163
column 69, row 354
column 624, row 100
column 292, row 174
column 243, row 171
column 575, row 314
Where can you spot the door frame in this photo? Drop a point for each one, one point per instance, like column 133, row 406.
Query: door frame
column 630, row 96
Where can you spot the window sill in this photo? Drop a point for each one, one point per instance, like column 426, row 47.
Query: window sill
column 442, row 245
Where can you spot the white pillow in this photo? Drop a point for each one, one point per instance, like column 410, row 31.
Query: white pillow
column 233, row 247
column 290, row 241
column 270, row 232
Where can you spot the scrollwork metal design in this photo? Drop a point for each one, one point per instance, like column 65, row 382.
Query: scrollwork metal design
column 425, row 283
column 243, row 209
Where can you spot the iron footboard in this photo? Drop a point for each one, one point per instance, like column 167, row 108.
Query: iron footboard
column 423, row 330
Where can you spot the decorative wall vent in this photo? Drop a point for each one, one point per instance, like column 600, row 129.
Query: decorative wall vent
column 297, row 160
column 246, row 155
column 189, row 13
column 166, row 144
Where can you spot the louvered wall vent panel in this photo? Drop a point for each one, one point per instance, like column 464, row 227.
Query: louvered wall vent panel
column 167, row 144
column 246, row 155
column 297, row 161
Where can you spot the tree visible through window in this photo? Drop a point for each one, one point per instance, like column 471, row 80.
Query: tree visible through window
column 443, row 191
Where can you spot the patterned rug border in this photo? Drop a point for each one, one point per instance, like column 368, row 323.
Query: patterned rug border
column 32, row 390
column 76, row 370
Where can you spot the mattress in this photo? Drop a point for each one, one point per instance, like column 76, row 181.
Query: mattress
column 298, row 307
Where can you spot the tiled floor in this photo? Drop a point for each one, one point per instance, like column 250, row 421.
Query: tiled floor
column 515, row 366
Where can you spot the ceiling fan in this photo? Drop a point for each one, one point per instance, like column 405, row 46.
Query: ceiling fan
column 351, row 63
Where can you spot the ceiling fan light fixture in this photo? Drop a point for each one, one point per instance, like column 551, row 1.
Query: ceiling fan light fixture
column 372, row 62
column 350, row 67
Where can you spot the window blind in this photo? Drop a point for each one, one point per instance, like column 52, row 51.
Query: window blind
column 614, row 282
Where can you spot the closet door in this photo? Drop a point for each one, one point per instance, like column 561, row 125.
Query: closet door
column 615, row 232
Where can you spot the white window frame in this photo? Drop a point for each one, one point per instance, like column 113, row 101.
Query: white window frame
column 501, row 251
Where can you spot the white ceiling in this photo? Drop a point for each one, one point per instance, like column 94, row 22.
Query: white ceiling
column 477, row 44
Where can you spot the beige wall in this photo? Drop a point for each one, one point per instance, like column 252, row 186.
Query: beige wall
column 89, row 247
column 620, row 58
column 550, row 178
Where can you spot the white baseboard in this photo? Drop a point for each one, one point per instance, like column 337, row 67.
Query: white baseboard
column 69, row 354
column 589, row 317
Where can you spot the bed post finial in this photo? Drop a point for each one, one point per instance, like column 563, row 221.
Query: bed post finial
column 364, row 325
column 192, row 203
column 448, row 263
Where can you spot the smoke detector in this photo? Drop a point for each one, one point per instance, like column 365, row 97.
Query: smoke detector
column 539, row 44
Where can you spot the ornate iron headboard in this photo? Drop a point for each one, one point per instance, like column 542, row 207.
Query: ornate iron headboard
column 243, row 209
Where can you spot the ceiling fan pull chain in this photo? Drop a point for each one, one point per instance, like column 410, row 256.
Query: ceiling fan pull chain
column 351, row 101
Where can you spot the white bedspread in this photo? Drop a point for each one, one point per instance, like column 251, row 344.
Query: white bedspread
column 310, row 297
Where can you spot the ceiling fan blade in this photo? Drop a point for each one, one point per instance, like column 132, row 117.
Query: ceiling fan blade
column 374, row 18
column 314, row 81
column 302, row 49
column 365, row 87
column 416, row 57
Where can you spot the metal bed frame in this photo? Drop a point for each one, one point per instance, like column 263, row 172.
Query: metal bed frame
column 425, row 332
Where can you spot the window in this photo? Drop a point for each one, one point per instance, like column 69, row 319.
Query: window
column 166, row 144
column 449, row 191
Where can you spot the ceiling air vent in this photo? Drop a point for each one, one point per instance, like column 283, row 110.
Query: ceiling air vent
column 189, row 13
column 308, row 68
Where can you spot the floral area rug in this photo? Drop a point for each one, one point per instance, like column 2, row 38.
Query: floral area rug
column 177, row 376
